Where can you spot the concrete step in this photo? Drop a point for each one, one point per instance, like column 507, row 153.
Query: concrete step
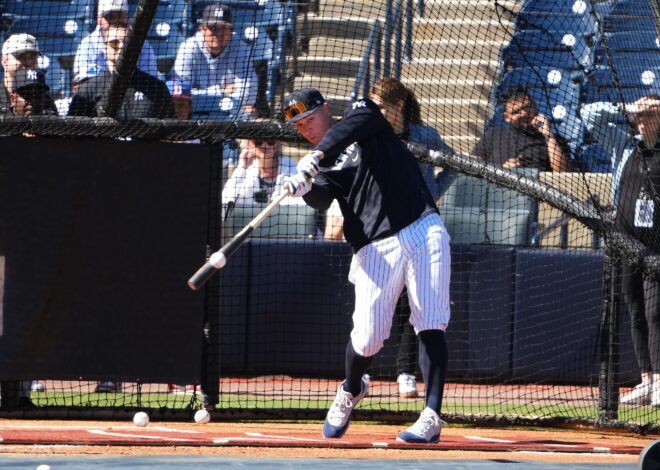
column 423, row 49
column 482, row 27
column 430, row 88
column 441, row 68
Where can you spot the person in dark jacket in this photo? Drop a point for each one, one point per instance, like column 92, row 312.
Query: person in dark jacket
column 146, row 96
column 392, row 223
column 635, row 154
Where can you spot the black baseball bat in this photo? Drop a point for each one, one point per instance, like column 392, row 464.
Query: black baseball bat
column 218, row 259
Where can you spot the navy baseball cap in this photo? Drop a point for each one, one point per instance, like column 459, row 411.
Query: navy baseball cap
column 216, row 14
column 301, row 103
column 29, row 78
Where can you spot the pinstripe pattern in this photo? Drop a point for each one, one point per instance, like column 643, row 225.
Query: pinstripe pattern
column 418, row 257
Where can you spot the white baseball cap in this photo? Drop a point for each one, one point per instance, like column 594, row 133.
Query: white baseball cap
column 19, row 43
column 108, row 6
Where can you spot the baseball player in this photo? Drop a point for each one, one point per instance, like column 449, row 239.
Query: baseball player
column 392, row 223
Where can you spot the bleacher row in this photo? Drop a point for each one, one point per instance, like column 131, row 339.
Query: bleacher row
column 570, row 52
column 60, row 26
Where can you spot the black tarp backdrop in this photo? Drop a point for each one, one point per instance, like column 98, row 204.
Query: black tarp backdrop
column 99, row 238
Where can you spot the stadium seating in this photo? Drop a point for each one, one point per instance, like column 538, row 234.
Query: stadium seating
column 565, row 7
column 58, row 36
column 632, row 8
column 165, row 39
column 286, row 221
column 595, row 159
column 585, row 24
column 81, row 10
column 629, row 41
column 540, row 48
column 625, row 84
column 619, row 23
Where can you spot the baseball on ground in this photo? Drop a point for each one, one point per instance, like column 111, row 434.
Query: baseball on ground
column 141, row 419
column 202, row 417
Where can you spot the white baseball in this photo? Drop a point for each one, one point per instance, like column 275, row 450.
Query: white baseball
column 202, row 417
column 43, row 467
column 141, row 419
column 218, row 260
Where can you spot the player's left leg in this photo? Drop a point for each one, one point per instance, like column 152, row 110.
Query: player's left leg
column 427, row 278
column 377, row 273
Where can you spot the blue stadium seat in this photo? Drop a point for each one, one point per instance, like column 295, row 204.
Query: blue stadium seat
column 540, row 48
column 620, row 23
column 594, row 158
column 58, row 37
column 627, row 85
column 630, row 41
column 57, row 79
column 81, row 10
column 632, row 8
column 585, row 25
column 566, row 7
column 165, row 39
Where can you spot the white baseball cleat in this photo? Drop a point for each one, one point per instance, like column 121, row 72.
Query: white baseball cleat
column 425, row 431
column 407, row 385
column 640, row 395
column 339, row 414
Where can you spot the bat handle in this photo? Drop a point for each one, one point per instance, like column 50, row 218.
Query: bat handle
column 202, row 275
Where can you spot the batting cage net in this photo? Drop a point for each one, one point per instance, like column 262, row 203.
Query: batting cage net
column 535, row 123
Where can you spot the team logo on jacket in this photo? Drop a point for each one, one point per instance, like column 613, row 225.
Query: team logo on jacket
column 360, row 104
column 349, row 157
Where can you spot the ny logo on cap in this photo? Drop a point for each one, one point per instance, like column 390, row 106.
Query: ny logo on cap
column 32, row 74
column 218, row 13
column 292, row 102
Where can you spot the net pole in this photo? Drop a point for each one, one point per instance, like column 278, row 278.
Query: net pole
column 127, row 61
column 608, row 397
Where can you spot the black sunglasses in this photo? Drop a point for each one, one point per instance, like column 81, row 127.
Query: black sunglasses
column 259, row 142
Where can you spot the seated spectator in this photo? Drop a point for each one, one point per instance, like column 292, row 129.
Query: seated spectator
column 216, row 61
column 30, row 94
column 526, row 142
column 146, row 96
column 91, row 52
column 259, row 173
column 19, row 53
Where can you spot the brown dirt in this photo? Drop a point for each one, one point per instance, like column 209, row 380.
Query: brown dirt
column 596, row 437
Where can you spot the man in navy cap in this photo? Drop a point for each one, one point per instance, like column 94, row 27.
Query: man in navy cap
column 30, row 96
column 216, row 61
column 392, row 223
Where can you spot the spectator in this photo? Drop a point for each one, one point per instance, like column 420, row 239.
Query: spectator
column 216, row 61
column 526, row 142
column 636, row 164
column 19, row 52
column 145, row 96
column 259, row 173
column 90, row 56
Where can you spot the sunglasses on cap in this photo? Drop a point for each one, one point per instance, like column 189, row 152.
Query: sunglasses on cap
column 297, row 108
column 259, row 142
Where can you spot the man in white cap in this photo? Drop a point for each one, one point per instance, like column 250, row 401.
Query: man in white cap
column 19, row 51
column 91, row 52
column 216, row 61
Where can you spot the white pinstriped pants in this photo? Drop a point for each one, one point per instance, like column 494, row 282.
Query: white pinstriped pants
column 417, row 257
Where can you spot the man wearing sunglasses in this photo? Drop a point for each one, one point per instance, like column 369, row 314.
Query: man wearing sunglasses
column 146, row 96
column 259, row 174
column 19, row 52
column 91, row 51
column 392, row 223
column 215, row 61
